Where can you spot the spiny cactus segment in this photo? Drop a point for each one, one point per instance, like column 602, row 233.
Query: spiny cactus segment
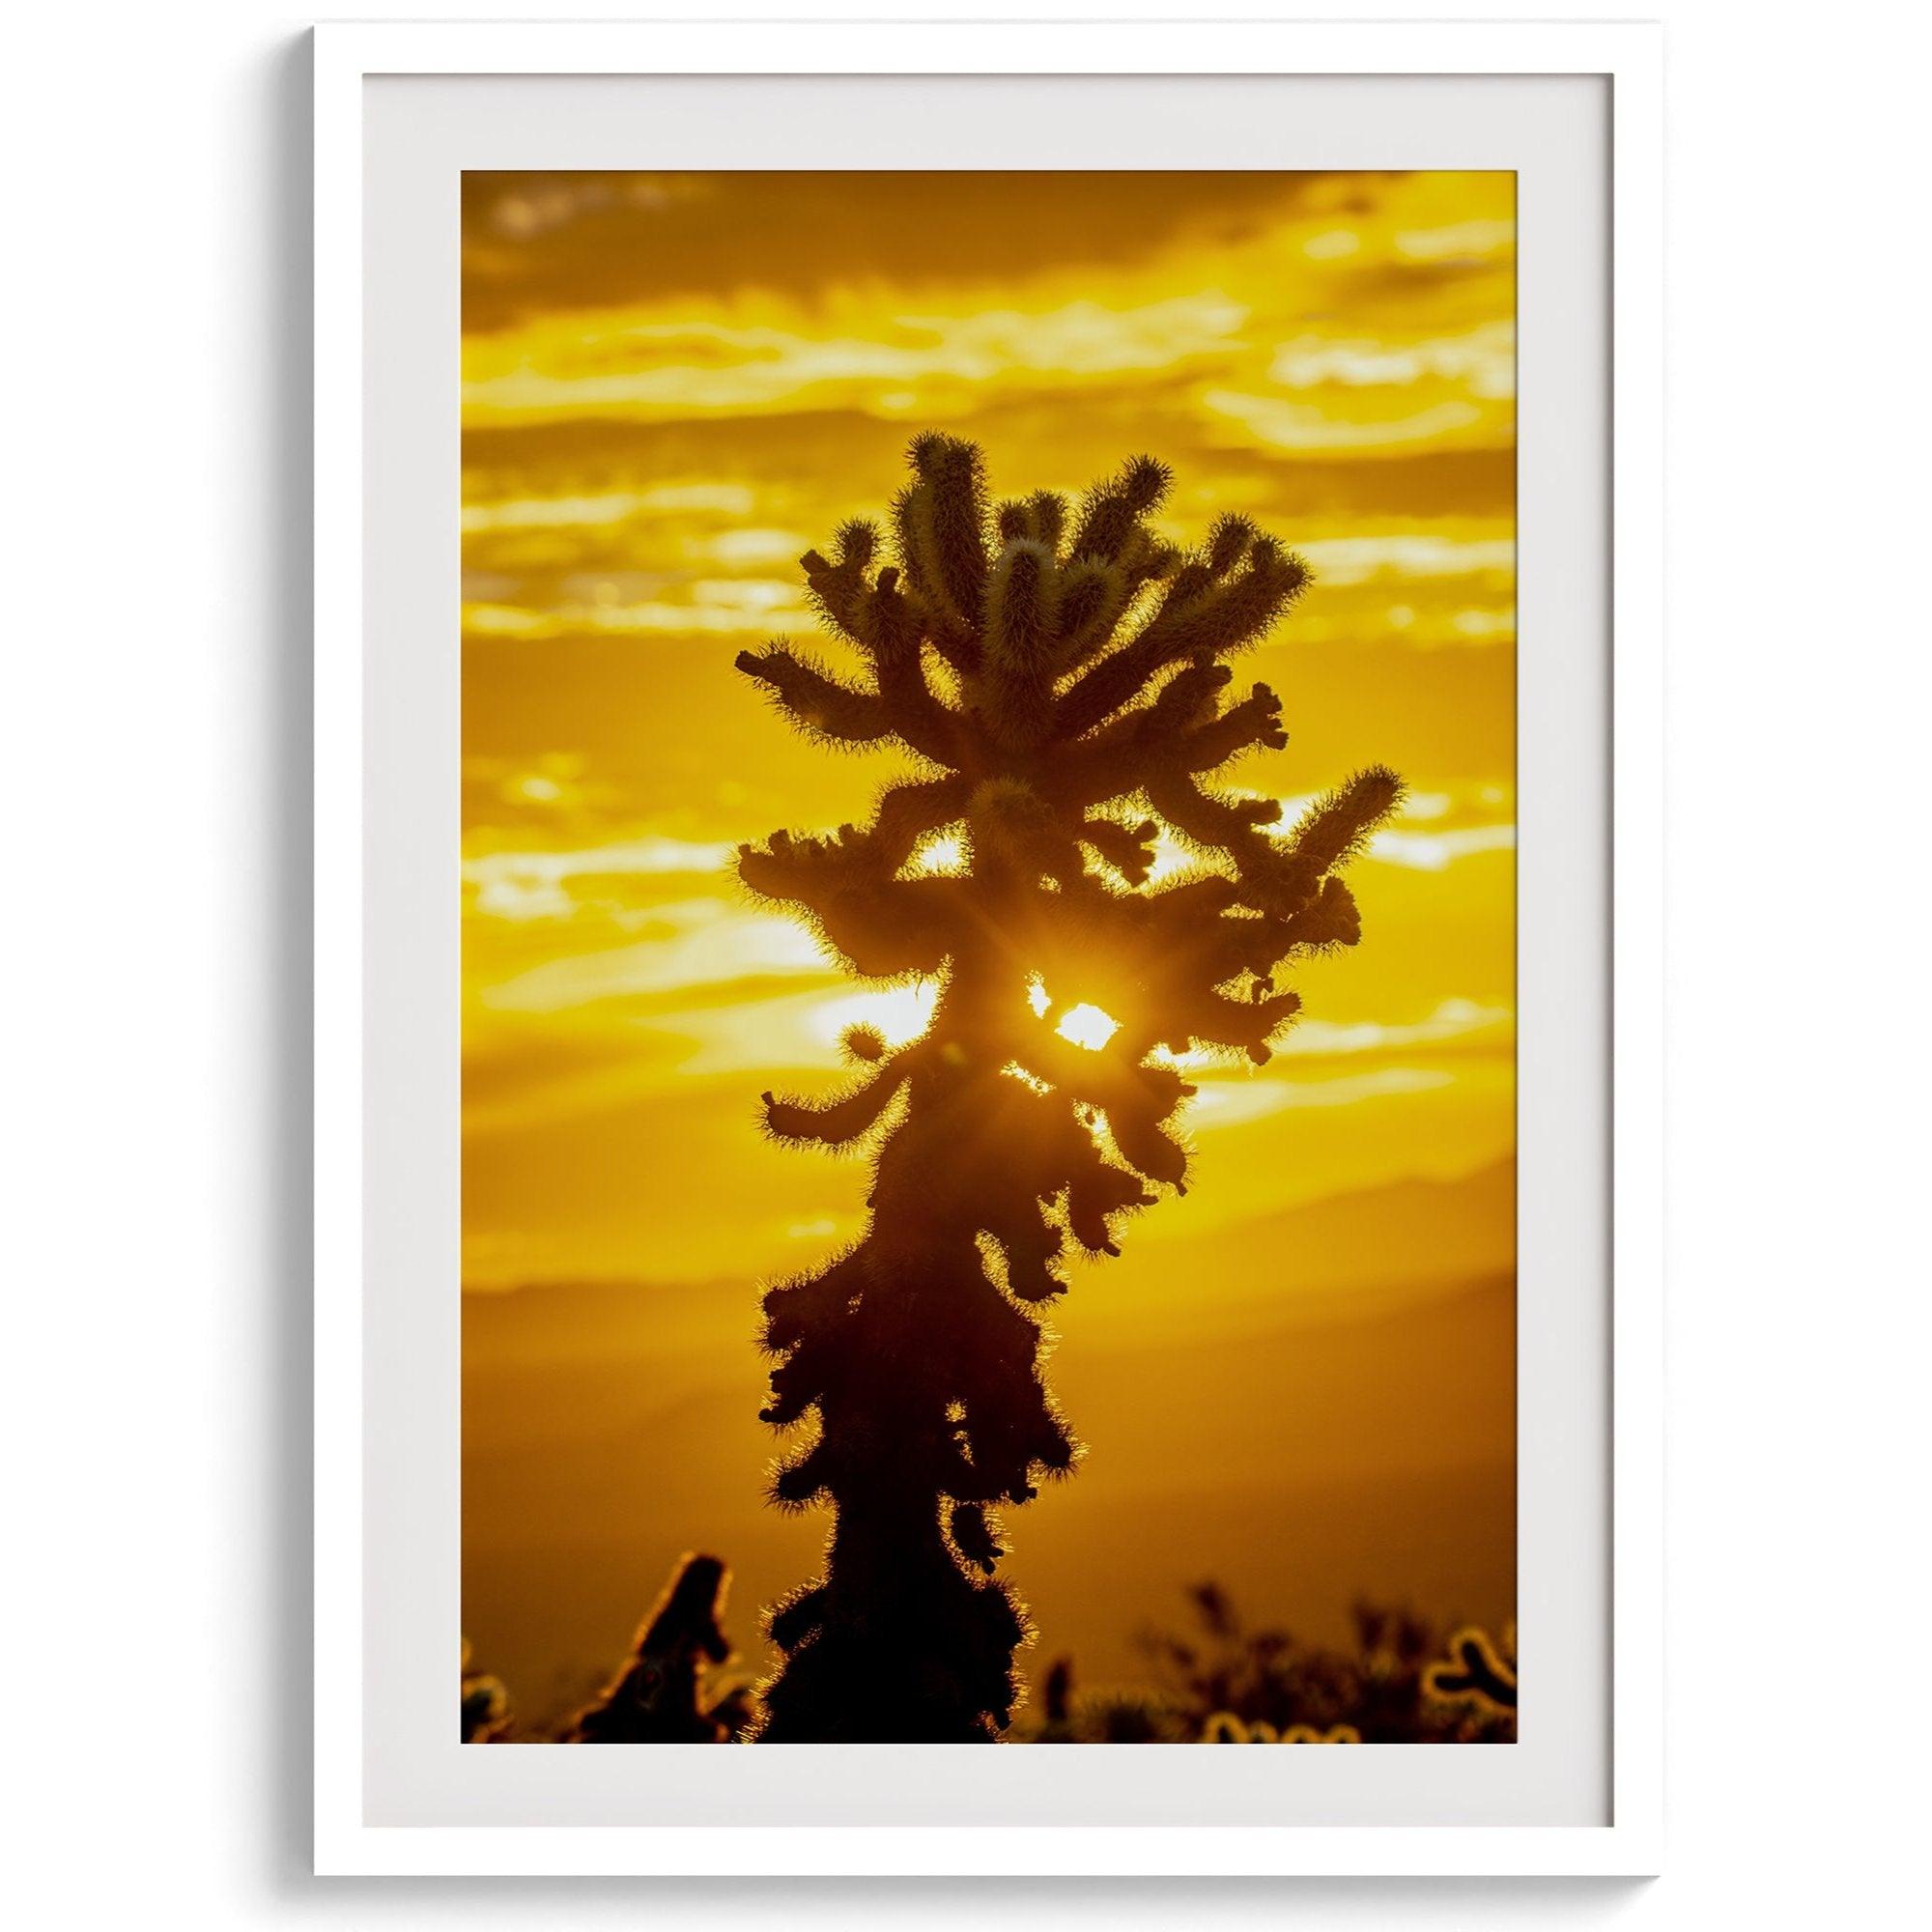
column 1477, row 1669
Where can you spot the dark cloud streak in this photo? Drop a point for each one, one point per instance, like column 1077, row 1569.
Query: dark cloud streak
column 535, row 244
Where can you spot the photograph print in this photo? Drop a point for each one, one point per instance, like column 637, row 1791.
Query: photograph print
column 988, row 958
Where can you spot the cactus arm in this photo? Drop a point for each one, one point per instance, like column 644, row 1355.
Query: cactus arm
column 840, row 1120
column 818, row 703
column 1256, row 721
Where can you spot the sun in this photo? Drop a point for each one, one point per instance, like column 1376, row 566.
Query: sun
column 1088, row 1026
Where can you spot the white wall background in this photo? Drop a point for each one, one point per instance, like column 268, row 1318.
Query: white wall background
column 153, row 323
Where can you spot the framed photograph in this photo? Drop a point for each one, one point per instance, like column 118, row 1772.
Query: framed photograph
column 987, row 989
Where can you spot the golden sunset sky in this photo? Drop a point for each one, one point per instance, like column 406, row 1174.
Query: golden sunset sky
column 1300, row 1377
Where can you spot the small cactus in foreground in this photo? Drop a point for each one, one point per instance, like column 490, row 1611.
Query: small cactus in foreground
column 486, row 1705
column 1476, row 1669
column 657, row 1697
column 1057, row 671
column 1239, row 1683
column 1224, row 1728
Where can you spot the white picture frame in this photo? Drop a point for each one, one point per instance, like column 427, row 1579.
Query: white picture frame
column 347, row 60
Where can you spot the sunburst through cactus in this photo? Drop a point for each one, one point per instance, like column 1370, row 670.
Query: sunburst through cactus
column 1058, row 671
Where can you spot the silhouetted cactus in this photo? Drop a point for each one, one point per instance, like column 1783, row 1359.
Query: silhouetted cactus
column 1056, row 1705
column 1264, row 1686
column 1476, row 1669
column 1115, row 1715
column 1224, row 1728
column 656, row 1698
column 486, row 1705
column 1057, row 667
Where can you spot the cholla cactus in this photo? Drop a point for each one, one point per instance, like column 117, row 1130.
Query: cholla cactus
column 1478, row 1669
column 1059, row 670
column 657, row 1697
column 1225, row 1728
column 486, row 1705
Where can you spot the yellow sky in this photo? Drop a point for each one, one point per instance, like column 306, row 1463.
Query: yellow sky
column 1335, row 356
column 675, row 384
